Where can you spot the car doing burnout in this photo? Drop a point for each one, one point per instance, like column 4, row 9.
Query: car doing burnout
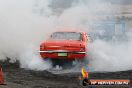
column 65, row 45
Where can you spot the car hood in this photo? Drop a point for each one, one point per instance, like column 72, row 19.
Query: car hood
column 64, row 43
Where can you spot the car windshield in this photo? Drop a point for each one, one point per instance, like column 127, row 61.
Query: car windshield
column 66, row 36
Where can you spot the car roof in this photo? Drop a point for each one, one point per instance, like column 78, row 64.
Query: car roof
column 70, row 30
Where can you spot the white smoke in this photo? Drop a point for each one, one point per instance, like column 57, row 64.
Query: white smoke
column 30, row 59
column 103, row 55
column 22, row 31
column 106, row 56
column 83, row 13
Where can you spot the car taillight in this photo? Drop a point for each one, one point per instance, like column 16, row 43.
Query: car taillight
column 41, row 47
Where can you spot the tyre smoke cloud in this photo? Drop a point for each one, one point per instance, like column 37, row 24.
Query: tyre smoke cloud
column 103, row 56
column 21, row 33
column 22, row 30
column 110, row 56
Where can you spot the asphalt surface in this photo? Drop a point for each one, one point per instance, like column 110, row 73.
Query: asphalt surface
column 16, row 77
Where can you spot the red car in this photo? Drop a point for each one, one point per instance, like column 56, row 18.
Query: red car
column 65, row 45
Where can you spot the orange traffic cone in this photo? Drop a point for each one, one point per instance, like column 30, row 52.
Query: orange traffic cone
column 1, row 77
